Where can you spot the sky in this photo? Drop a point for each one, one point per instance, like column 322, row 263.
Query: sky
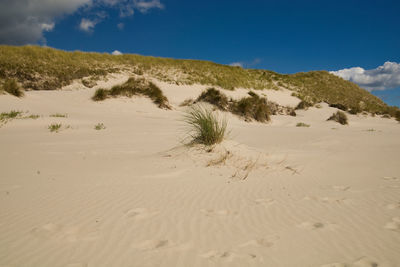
column 356, row 40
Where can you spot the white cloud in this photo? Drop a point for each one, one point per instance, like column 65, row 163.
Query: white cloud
column 116, row 53
column 236, row 64
column 87, row 25
column 143, row 5
column 25, row 21
column 383, row 77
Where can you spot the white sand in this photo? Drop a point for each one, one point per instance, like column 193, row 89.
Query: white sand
column 131, row 195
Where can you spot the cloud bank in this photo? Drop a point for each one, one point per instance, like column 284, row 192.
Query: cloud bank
column 25, row 21
column 383, row 77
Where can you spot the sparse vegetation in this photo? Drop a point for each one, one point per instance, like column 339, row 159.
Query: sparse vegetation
column 10, row 115
column 12, row 87
column 302, row 124
column 59, row 115
column 304, row 105
column 32, row 116
column 187, row 102
column 133, row 87
column 99, row 126
column 397, row 115
column 339, row 117
column 205, row 127
column 54, row 127
column 43, row 68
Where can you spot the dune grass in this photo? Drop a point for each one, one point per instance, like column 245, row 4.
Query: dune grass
column 134, row 86
column 59, row 115
column 252, row 107
column 205, row 127
column 214, row 97
column 339, row 117
column 100, row 126
column 43, row 68
column 12, row 87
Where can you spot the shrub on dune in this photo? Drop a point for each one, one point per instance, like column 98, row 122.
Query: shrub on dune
column 339, row 117
column 214, row 97
column 253, row 107
column 12, row 87
column 100, row 94
column 205, row 127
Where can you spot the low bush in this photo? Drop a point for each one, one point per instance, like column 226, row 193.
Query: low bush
column 338, row 106
column 54, row 127
column 303, row 105
column 397, row 115
column 339, row 117
column 204, row 126
column 302, row 124
column 99, row 126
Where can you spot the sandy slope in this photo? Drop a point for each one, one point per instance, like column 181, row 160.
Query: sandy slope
column 131, row 195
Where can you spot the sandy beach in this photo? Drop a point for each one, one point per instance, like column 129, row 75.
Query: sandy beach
column 133, row 194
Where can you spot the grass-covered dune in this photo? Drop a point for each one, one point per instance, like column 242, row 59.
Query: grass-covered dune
column 42, row 68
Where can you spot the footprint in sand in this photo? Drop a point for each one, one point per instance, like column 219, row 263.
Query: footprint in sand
column 156, row 244
column 261, row 242
column 327, row 199
column 393, row 206
column 227, row 256
column 266, row 202
column 140, row 213
column 390, row 178
column 393, row 225
column 316, row 225
column 361, row 262
column 58, row 232
column 77, row 264
column 340, row 187
column 210, row 212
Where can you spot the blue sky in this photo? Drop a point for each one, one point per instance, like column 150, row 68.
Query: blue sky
column 284, row 36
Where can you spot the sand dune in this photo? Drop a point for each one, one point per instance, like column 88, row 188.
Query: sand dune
column 133, row 195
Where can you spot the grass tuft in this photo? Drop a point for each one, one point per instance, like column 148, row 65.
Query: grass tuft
column 253, row 107
column 12, row 87
column 339, row 117
column 214, row 97
column 59, row 115
column 100, row 94
column 205, row 126
column 100, row 126
column 54, row 127
column 10, row 115
column 302, row 124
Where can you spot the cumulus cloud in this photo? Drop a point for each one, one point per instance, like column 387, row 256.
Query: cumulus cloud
column 116, row 53
column 25, row 21
column 120, row 26
column 383, row 77
column 236, row 64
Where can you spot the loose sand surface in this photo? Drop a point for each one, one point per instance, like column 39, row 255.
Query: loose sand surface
column 132, row 195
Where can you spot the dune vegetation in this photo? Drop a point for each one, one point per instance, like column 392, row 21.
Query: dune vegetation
column 43, row 68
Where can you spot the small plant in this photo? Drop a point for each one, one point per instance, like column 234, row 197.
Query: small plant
column 99, row 126
column 339, row 117
column 187, row 102
column 33, row 116
column 304, row 105
column 371, row 130
column 59, row 115
column 302, row 124
column 12, row 87
column 204, row 126
column 100, row 94
column 54, row 127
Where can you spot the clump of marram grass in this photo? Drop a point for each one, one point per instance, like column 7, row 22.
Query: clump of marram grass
column 99, row 126
column 13, row 114
column 12, row 87
column 302, row 124
column 253, row 107
column 214, row 97
column 205, row 127
column 187, row 102
column 397, row 115
column 59, row 115
column 133, row 86
column 303, row 105
column 100, row 94
column 54, row 127
column 339, row 117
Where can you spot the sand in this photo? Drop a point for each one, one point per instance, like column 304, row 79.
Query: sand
column 133, row 195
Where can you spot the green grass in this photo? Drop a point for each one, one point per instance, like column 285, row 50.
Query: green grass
column 302, row 124
column 59, row 115
column 13, row 114
column 99, row 126
column 134, row 86
column 32, row 116
column 43, row 68
column 205, row 127
column 252, row 107
column 54, row 127
column 214, row 97
column 339, row 117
